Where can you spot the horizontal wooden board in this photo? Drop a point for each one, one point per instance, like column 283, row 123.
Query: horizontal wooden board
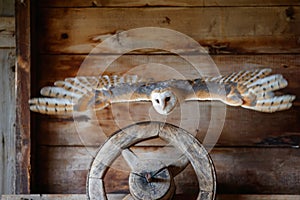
column 234, row 30
column 57, row 67
column 121, row 3
column 7, row 32
column 239, row 170
column 120, row 196
column 241, row 127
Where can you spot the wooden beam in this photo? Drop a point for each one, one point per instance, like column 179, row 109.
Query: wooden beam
column 7, row 93
column 184, row 3
column 8, row 121
column 23, row 142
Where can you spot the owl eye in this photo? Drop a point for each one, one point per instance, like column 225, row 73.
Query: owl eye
column 157, row 101
column 167, row 99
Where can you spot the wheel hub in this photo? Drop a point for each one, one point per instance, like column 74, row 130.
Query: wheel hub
column 152, row 180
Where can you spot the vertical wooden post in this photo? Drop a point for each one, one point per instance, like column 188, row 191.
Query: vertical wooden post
column 7, row 98
column 23, row 141
column 7, row 118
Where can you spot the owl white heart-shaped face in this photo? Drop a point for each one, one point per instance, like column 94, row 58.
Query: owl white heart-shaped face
column 163, row 101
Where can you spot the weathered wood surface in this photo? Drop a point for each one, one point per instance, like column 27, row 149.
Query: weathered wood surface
column 23, row 142
column 239, row 170
column 7, row 8
column 7, row 97
column 57, row 67
column 225, row 30
column 7, row 32
column 120, row 196
column 268, row 30
column 120, row 3
column 7, row 118
column 251, row 128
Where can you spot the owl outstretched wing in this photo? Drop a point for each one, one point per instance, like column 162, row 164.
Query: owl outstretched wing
column 83, row 92
column 249, row 89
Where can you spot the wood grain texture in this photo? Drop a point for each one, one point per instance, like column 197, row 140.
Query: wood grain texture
column 239, row 170
column 58, row 67
column 184, row 3
column 7, row 8
column 229, row 30
column 7, row 96
column 251, row 128
column 8, row 122
column 184, row 143
column 120, row 196
column 265, row 32
column 7, row 32
column 23, row 142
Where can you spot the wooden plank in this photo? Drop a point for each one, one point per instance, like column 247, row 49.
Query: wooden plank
column 239, row 170
column 58, row 67
column 120, row 3
column 7, row 8
column 7, row 32
column 241, row 128
column 7, row 118
column 7, row 108
column 23, row 142
column 234, row 30
column 120, row 196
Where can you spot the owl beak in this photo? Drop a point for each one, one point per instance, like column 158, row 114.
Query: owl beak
column 164, row 106
column 165, row 102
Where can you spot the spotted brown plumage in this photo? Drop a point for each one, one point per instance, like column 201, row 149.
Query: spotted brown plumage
column 248, row 89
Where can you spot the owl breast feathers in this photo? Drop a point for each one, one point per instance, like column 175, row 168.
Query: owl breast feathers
column 248, row 89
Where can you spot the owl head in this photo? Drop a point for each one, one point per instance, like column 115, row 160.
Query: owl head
column 163, row 100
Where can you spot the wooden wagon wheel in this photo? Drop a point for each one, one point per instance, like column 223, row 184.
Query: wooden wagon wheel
column 152, row 179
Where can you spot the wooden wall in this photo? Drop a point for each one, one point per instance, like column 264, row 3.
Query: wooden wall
column 256, row 153
column 7, row 97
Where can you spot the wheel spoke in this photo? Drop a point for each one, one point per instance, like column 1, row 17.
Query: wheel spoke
column 131, row 159
column 128, row 197
column 179, row 165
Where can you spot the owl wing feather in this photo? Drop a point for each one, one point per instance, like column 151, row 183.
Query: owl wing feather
column 249, row 89
column 80, row 93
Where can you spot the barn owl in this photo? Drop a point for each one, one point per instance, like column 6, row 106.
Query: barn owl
column 248, row 89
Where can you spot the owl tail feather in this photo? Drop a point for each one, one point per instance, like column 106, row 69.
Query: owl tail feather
column 258, row 92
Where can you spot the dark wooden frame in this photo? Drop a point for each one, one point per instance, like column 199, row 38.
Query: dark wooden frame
column 23, row 66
